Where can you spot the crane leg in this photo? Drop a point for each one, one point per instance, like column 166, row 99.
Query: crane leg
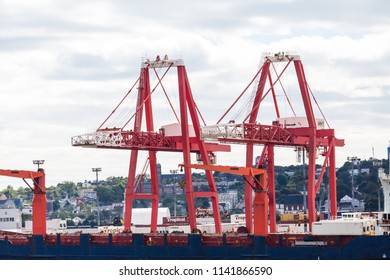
column 260, row 215
column 39, row 207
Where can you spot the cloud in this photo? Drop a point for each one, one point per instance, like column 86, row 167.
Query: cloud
column 65, row 67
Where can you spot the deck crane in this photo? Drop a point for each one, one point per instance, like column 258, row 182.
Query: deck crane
column 39, row 198
column 185, row 139
column 308, row 132
column 259, row 186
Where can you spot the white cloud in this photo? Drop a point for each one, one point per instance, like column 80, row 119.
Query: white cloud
column 65, row 66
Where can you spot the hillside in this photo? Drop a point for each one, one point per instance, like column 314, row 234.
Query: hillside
column 69, row 199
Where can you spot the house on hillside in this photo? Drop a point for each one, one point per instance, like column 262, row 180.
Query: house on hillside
column 293, row 203
column 7, row 204
column 347, row 204
column 10, row 216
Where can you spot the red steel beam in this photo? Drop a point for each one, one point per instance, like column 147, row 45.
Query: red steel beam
column 312, row 147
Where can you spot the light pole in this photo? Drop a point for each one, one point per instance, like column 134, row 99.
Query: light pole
column 353, row 160
column 97, row 170
column 38, row 162
column 174, row 171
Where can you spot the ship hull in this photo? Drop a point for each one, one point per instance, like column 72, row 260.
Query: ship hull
column 193, row 247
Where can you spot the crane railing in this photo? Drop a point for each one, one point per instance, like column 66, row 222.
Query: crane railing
column 244, row 132
column 125, row 139
column 109, row 138
column 226, row 131
column 128, row 139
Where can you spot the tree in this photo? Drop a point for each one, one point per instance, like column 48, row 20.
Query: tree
column 282, row 179
column 105, row 195
column 10, row 192
column 69, row 188
column 68, row 206
column 342, row 190
column 117, row 192
column 53, row 193
column 24, row 192
column 140, row 203
column 56, row 205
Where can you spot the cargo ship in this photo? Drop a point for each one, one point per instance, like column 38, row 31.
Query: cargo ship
column 349, row 237
column 361, row 243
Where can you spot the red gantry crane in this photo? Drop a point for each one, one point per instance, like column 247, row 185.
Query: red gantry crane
column 183, row 137
column 39, row 198
column 307, row 132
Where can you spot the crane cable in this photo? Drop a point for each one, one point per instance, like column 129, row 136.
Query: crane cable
column 242, row 93
column 318, row 106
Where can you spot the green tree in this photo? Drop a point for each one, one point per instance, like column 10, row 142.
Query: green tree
column 69, row 188
column 117, row 192
column 282, row 179
column 10, row 192
column 24, row 192
column 342, row 190
column 53, row 193
column 105, row 195
column 140, row 203
column 56, row 205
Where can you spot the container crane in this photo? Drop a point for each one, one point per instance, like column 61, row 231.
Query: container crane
column 308, row 132
column 182, row 137
column 39, row 198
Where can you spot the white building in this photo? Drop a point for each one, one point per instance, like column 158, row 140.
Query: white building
column 348, row 204
column 10, row 219
column 141, row 216
column 27, row 210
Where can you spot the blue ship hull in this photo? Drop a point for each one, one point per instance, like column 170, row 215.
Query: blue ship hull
column 342, row 248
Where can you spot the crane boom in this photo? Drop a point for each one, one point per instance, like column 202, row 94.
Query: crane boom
column 21, row 173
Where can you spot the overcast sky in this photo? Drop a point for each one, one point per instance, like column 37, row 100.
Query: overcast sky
column 64, row 66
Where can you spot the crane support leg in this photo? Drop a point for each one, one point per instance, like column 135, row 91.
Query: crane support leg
column 311, row 183
column 332, row 182
column 39, row 214
column 187, row 104
column 39, row 206
column 186, row 145
column 129, row 193
column 311, row 132
column 155, row 192
column 271, row 188
column 260, row 209
column 205, row 157
column 248, row 189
